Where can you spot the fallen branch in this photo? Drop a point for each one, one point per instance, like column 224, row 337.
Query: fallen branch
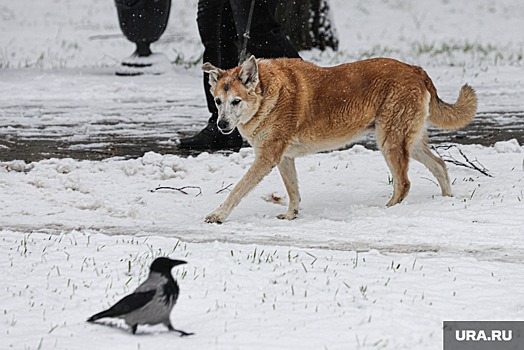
column 179, row 189
column 467, row 164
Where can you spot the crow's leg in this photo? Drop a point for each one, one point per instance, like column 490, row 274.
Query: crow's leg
column 182, row 333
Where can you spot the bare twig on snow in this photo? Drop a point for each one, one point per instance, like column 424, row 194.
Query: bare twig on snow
column 179, row 189
column 470, row 164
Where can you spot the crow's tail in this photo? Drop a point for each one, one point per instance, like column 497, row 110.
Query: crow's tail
column 128, row 304
column 106, row 313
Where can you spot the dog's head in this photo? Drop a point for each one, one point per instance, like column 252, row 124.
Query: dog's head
column 235, row 93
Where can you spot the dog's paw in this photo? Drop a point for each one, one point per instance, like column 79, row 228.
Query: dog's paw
column 288, row 216
column 214, row 219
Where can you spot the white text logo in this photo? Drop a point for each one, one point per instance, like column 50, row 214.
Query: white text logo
column 494, row 335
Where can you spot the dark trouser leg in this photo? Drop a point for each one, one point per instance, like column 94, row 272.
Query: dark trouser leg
column 218, row 34
column 267, row 39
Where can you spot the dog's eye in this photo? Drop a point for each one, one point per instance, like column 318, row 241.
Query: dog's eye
column 236, row 101
column 218, row 101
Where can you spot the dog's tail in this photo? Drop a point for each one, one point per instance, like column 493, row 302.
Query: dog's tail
column 452, row 116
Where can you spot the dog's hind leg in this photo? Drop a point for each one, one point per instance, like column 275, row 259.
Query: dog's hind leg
column 397, row 158
column 289, row 175
column 421, row 152
column 400, row 128
column 394, row 138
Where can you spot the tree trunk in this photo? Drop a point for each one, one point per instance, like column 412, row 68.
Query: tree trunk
column 307, row 23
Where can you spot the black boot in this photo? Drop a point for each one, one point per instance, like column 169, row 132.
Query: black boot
column 210, row 138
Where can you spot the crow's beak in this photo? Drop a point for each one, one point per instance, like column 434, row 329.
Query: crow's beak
column 177, row 262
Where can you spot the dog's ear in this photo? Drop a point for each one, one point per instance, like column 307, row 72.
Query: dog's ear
column 214, row 74
column 249, row 73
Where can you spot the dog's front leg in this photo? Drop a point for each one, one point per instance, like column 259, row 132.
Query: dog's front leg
column 260, row 168
column 289, row 175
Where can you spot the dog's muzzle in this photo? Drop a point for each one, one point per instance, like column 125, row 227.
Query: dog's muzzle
column 224, row 127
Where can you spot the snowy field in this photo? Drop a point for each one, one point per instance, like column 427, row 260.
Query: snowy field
column 77, row 235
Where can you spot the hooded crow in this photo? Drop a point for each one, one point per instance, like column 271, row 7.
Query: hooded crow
column 151, row 303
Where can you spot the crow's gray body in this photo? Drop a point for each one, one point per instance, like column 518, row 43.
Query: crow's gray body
column 151, row 303
column 158, row 309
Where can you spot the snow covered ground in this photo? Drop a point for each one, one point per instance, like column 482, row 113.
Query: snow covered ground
column 77, row 235
column 348, row 273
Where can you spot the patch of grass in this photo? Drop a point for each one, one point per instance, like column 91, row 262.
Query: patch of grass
column 377, row 51
column 187, row 62
column 424, row 52
column 448, row 48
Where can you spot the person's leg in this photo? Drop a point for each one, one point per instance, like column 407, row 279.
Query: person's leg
column 217, row 32
column 266, row 37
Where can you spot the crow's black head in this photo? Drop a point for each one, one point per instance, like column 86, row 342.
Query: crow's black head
column 164, row 265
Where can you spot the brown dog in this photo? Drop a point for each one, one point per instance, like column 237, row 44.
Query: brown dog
column 287, row 108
